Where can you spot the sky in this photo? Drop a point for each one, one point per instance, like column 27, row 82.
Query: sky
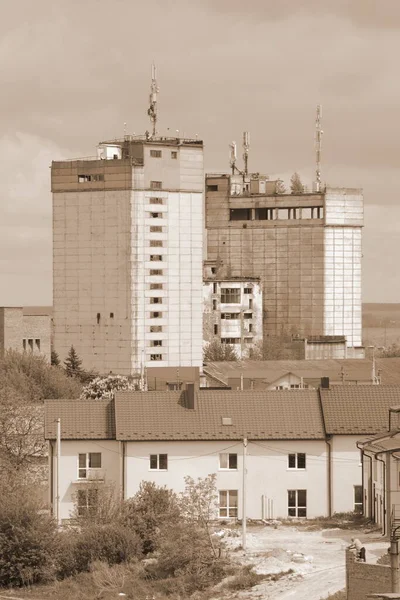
column 72, row 73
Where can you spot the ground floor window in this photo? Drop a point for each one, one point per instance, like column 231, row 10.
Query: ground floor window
column 87, row 502
column 297, row 503
column 358, row 498
column 228, row 503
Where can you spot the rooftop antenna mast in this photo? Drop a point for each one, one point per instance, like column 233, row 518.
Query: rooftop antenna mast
column 152, row 112
column 246, row 148
column 318, row 143
column 233, row 156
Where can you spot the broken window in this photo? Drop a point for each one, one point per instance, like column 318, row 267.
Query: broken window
column 155, row 343
column 155, row 257
column 155, row 328
column 155, row 356
column 240, row 214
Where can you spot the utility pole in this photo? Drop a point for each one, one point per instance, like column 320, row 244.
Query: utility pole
column 244, row 523
column 394, row 562
column 58, row 498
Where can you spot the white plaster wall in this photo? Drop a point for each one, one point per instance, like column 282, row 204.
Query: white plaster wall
column 346, row 471
column 267, row 472
column 70, row 450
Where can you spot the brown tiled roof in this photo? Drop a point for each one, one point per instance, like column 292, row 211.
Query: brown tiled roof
column 80, row 419
column 256, row 415
column 358, row 409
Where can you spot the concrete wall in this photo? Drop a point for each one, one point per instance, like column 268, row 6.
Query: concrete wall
column 15, row 327
column 363, row 579
column 346, row 471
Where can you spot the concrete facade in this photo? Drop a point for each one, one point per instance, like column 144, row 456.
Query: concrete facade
column 128, row 250
column 232, row 314
column 305, row 248
column 25, row 332
column 364, row 579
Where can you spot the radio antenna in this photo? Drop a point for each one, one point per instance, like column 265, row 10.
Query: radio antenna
column 233, row 156
column 318, row 143
column 246, row 148
column 152, row 112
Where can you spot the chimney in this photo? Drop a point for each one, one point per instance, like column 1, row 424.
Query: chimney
column 190, row 396
column 324, row 383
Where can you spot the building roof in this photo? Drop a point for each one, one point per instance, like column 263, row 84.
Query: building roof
column 256, row 415
column 80, row 419
column 38, row 311
column 358, row 410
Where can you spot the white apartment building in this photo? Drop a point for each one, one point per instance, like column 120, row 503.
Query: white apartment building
column 128, row 249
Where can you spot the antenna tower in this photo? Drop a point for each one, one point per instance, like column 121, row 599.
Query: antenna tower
column 152, row 112
column 246, row 148
column 318, row 143
column 233, row 156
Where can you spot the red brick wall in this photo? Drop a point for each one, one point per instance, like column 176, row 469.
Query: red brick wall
column 363, row 578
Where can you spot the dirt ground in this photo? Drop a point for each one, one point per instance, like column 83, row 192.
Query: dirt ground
column 316, row 557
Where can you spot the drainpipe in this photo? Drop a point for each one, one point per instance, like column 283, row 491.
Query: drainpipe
column 329, row 444
column 371, row 503
column 384, row 491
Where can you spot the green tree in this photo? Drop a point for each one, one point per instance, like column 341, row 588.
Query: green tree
column 216, row 351
column 296, row 186
column 55, row 359
column 73, row 364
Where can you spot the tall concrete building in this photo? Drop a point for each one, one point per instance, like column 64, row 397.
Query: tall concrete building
column 306, row 249
column 128, row 249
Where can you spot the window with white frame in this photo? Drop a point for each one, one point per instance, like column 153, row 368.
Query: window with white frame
column 358, row 498
column 228, row 461
column 158, row 462
column 297, row 461
column 297, row 503
column 88, row 462
column 87, row 501
column 228, row 503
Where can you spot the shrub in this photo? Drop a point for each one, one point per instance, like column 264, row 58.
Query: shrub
column 105, row 387
column 27, row 538
column 112, row 544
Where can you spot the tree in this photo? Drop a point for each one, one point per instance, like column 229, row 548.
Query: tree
column 296, row 186
column 199, row 503
column 105, row 387
column 73, row 364
column 216, row 351
column 55, row 359
column 280, row 187
column 392, row 351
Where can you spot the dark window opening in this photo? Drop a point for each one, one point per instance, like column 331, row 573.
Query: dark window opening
column 240, row 214
column 230, row 295
column 155, row 343
column 174, row 154
column 30, row 344
column 213, row 270
column 154, row 215
column 155, row 229
column 155, row 257
column 264, row 214
column 98, row 318
column 230, row 340
column 230, row 316
column 155, row 315
column 156, row 185
column 24, row 344
column 156, row 272
column 156, row 200
column 156, row 286
column 155, row 153
column 155, row 356
column 37, row 344
column 214, row 288
column 212, row 188
column 155, row 328
column 156, row 243
column 214, row 304
column 111, row 315
column 155, row 300
column 215, row 329
column 248, row 290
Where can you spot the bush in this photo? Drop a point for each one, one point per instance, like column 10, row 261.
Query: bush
column 27, row 539
column 111, row 544
column 105, row 387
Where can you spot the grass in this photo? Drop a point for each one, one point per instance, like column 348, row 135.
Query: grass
column 346, row 521
column 342, row 595
column 247, row 578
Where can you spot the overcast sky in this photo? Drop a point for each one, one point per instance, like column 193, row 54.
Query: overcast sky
column 73, row 72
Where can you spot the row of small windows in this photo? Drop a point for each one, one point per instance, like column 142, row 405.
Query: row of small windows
column 89, row 178
column 273, row 214
column 235, row 316
column 31, row 343
column 158, row 154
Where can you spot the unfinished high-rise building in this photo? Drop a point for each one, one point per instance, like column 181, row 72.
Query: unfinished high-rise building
column 128, row 249
column 305, row 247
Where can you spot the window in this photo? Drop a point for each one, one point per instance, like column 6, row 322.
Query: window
column 230, row 295
column 230, row 316
column 155, row 315
column 98, row 318
column 248, row 340
column 174, row 154
column 297, row 503
column 154, row 215
column 264, row 214
column 156, row 272
column 213, row 270
column 174, row 386
column 87, row 502
column 228, row 503
column 156, row 243
column 155, row 229
column 212, row 188
column 156, row 286
column 248, row 315
column 155, row 257
column 248, row 290
column 30, row 344
column 240, row 214
column 155, row 356
column 250, row 303
column 88, row 461
column 250, row 327
column 283, row 213
column 156, row 200
column 228, row 461
column 214, row 304
column 88, row 178
column 155, row 300
column 155, row 153
column 156, row 185
column 111, row 315
column 158, row 462
column 358, row 498
column 37, row 344
column 230, row 340
column 215, row 329
column 214, row 288
column 156, row 343
column 297, row 461
column 24, row 344
column 294, row 386
column 155, row 328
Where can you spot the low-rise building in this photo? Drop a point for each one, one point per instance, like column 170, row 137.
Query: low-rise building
column 26, row 329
